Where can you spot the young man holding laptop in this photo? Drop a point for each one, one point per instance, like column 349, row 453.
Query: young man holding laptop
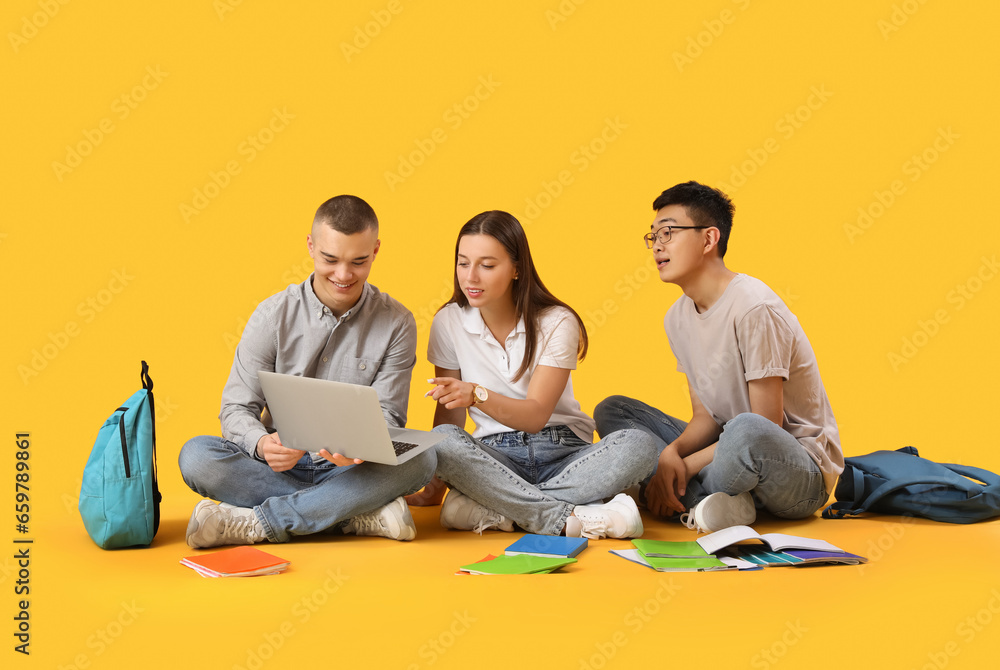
column 333, row 326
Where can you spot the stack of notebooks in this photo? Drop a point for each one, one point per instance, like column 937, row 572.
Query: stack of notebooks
column 236, row 562
column 530, row 555
column 721, row 551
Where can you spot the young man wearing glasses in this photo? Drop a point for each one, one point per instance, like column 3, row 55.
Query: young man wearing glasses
column 762, row 433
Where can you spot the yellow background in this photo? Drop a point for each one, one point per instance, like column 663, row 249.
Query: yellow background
column 574, row 116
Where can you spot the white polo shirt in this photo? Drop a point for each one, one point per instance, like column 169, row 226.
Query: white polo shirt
column 460, row 340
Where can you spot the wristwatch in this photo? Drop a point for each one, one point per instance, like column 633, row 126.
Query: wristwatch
column 479, row 395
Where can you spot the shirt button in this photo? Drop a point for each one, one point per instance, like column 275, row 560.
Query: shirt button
column 325, row 359
column 320, row 314
column 362, row 366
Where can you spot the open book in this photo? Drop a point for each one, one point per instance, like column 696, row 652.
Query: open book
column 761, row 556
column 713, row 542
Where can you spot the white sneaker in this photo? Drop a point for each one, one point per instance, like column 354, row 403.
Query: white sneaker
column 721, row 510
column 461, row 512
column 392, row 521
column 618, row 519
column 214, row 525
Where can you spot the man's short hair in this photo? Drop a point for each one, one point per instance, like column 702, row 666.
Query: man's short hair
column 347, row 214
column 705, row 205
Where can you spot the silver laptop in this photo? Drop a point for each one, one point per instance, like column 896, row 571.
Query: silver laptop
column 313, row 414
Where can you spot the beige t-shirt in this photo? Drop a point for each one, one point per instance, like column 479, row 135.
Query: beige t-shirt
column 750, row 334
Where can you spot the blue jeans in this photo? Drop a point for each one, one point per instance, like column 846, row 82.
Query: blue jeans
column 309, row 498
column 753, row 454
column 535, row 479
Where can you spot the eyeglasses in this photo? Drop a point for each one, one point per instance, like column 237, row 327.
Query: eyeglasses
column 663, row 234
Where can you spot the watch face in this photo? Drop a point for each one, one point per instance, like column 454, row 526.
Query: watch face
column 480, row 394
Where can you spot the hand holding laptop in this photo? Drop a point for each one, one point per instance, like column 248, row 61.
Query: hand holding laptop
column 322, row 415
column 281, row 458
column 338, row 459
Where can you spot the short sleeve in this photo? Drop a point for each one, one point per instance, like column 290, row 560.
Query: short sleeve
column 560, row 340
column 670, row 341
column 441, row 345
column 765, row 341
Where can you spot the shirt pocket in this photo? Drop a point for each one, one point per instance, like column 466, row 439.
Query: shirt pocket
column 358, row 371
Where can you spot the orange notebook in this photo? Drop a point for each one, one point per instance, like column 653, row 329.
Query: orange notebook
column 236, row 562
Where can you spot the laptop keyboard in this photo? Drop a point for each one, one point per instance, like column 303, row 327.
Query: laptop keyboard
column 402, row 447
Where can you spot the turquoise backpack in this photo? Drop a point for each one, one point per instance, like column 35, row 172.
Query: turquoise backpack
column 119, row 498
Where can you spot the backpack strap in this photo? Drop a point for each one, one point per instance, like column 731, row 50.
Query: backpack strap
column 839, row 510
column 147, row 383
column 985, row 476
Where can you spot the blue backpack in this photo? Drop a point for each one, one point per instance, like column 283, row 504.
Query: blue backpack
column 119, row 498
column 901, row 482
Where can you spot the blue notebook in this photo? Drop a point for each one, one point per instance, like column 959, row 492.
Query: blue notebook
column 548, row 545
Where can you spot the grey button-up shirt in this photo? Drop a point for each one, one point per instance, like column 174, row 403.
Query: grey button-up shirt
column 292, row 332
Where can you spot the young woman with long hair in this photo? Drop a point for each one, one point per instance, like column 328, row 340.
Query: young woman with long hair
column 503, row 347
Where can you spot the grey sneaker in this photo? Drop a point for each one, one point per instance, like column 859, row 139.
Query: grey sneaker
column 392, row 521
column 214, row 525
column 721, row 510
column 461, row 512
column 618, row 519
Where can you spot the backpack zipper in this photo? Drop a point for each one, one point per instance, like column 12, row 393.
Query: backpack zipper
column 124, row 441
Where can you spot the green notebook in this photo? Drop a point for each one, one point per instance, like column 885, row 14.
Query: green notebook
column 521, row 564
column 664, row 549
column 677, row 556
column 703, row 564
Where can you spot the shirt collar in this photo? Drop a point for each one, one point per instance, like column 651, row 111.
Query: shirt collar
column 472, row 321
column 317, row 307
